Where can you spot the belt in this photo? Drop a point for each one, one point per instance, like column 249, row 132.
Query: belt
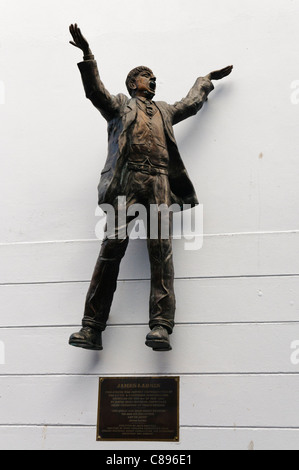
column 149, row 170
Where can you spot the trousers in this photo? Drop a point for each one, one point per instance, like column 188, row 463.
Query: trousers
column 150, row 190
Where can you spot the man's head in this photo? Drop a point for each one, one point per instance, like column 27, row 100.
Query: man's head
column 141, row 82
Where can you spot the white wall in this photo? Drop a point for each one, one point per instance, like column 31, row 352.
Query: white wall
column 237, row 297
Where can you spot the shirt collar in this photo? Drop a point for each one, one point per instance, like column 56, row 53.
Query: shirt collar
column 143, row 99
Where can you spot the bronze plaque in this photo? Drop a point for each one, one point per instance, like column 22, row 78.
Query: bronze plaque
column 138, row 409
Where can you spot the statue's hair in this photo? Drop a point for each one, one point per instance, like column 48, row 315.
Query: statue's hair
column 133, row 74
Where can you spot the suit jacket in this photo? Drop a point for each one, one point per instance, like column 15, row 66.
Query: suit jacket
column 120, row 113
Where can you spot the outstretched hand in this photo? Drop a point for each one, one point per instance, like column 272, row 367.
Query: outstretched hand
column 219, row 74
column 79, row 40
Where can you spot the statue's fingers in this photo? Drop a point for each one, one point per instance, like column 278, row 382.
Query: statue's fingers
column 74, row 44
column 74, row 34
column 82, row 38
column 229, row 68
column 72, row 30
column 78, row 36
column 77, row 30
column 224, row 72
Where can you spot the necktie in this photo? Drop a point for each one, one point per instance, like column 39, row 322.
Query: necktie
column 149, row 108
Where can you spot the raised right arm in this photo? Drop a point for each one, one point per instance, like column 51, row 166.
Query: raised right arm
column 95, row 90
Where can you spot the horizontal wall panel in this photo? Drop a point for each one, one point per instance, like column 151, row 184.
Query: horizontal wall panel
column 198, row 301
column 213, row 401
column 227, row 348
column 83, row 438
column 223, row 255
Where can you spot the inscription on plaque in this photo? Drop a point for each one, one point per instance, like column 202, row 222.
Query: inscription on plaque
column 142, row 408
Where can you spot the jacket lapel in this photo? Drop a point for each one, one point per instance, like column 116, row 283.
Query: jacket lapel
column 128, row 116
column 129, row 113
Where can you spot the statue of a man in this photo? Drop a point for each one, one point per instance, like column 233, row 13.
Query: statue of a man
column 144, row 166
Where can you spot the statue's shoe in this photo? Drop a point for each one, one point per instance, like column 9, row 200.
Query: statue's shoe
column 87, row 338
column 158, row 339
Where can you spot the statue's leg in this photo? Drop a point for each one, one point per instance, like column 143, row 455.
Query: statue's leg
column 100, row 295
column 102, row 287
column 162, row 296
column 103, row 284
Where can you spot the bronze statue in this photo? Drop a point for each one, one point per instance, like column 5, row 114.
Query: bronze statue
column 145, row 166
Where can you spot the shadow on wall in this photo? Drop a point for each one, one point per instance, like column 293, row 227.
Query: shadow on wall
column 193, row 125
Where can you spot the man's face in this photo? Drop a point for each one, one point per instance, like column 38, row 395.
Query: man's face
column 146, row 83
